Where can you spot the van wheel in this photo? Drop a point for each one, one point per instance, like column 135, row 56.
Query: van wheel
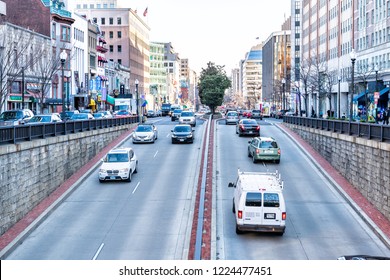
column 278, row 161
column 136, row 167
column 238, row 231
column 249, row 153
column 233, row 208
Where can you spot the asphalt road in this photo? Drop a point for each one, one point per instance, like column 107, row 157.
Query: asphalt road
column 320, row 223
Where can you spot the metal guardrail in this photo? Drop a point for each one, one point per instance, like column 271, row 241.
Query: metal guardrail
column 364, row 130
column 28, row 132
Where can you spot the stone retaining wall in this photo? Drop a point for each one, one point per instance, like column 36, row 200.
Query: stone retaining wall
column 364, row 163
column 31, row 170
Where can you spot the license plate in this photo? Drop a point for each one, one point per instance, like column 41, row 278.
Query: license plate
column 181, row 140
column 270, row 215
column 269, row 152
column 250, row 131
column 112, row 177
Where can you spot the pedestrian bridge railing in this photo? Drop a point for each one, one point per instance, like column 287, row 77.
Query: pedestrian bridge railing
column 372, row 131
column 28, row 132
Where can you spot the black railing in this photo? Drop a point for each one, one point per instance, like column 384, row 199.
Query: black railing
column 28, row 132
column 359, row 129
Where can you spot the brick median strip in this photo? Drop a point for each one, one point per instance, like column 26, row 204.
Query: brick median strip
column 17, row 232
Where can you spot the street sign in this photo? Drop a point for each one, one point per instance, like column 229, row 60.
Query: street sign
column 376, row 97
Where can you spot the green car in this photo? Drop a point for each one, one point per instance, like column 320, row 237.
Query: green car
column 264, row 148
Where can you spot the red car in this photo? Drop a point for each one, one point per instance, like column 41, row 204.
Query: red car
column 247, row 114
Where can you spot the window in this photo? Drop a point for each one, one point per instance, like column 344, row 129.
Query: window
column 111, row 48
column 253, row 199
column 111, row 21
column 271, row 200
column 103, row 21
column 111, row 34
column 119, row 34
column 53, row 30
column 65, row 33
column 119, row 48
column 119, row 20
column 119, row 61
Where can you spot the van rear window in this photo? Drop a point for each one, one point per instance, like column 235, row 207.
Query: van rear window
column 271, row 200
column 253, row 199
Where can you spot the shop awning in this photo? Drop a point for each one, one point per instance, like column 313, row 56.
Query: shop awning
column 383, row 91
column 110, row 100
column 359, row 96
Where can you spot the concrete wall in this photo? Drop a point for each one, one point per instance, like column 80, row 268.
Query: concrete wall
column 364, row 163
column 32, row 170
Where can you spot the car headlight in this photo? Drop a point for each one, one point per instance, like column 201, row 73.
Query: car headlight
column 124, row 170
column 189, row 136
column 174, row 136
column 102, row 170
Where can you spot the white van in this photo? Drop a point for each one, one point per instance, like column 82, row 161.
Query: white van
column 258, row 202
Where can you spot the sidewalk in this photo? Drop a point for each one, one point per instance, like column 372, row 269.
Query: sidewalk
column 376, row 220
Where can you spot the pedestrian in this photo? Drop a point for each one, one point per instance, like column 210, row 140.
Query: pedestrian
column 386, row 116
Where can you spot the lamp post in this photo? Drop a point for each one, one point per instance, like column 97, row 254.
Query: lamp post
column 22, row 87
column 353, row 59
column 338, row 98
column 63, row 56
column 376, row 90
column 136, row 92
column 283, row 93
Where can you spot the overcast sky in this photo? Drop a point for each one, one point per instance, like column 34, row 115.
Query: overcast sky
column 220, row 31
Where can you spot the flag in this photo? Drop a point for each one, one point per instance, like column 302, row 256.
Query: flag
column 146, row 11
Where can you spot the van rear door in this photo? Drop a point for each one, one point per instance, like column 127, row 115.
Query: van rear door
column 272, row 210
column 252, row 212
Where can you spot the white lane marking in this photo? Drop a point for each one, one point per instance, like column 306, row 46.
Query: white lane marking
column 136, row 187
column 98, row 252
column 155, row 154
column 168, row 135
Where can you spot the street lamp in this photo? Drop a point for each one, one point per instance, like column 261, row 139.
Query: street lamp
column 63, row 56
column 338, row 98
column 23, row 86
column 136, row 92
column 283, row 93
column 376, row 92
column 353, row 59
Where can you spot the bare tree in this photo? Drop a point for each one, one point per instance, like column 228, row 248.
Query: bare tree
column 20, row 52
column 305, row 80
column 330, row 79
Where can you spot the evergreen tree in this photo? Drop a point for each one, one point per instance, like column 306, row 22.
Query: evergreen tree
column 212, row 85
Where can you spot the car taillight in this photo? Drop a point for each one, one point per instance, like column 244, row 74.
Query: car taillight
column 257, row 151
column 239, row 214
column 242, row 127
column 279, row 152
column 258, row 127
column 284, row 215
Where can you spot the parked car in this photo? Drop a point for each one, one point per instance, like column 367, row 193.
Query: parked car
column 145, row 133
column 122, row 114
column 81, row 116
column 151, row 114
column 362, row 257
column 15, row 117
column 176, row 114
column 264, row 148
column 45, row 118
column 68, row 114
column 187, row 117
column 257, row 114
column 107, row 114
column 158, row 113
column 119, row 164
column 183, row 133
column 248, row 127
column 98, row 115
column 232, row 117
